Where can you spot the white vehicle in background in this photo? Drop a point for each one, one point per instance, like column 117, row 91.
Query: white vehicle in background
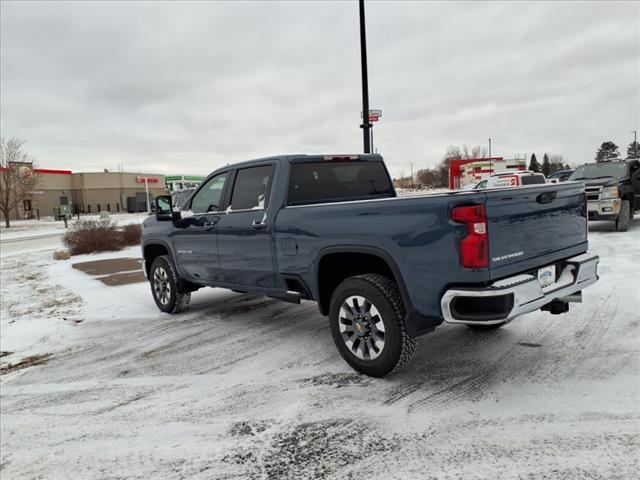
column 511, row 179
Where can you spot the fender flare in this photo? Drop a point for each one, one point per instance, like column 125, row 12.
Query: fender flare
column 375, row 251
column 157, row 241
column 416, row 323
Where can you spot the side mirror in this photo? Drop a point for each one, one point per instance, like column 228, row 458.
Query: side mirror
column 163, row 207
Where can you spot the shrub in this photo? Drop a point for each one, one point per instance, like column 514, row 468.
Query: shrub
column 61, row 255
column 87, row 236
column 131, row 234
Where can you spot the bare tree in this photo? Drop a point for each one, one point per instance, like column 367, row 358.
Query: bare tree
column 464, row 152
column 18, row 177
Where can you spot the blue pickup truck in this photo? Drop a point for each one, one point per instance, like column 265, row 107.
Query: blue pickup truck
column 385, row 269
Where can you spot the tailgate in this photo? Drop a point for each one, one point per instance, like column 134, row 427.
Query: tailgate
column 532, row 226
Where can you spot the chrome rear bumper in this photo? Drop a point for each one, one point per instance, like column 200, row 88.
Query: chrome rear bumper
column 511, row 297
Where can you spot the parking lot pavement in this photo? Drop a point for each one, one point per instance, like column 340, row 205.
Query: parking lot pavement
column 243, row 386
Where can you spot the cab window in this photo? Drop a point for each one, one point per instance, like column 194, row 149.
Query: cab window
column 251, row 188
column 209, row 197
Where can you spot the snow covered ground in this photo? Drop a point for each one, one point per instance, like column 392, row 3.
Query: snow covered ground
column 243, row 386
column 47, row 226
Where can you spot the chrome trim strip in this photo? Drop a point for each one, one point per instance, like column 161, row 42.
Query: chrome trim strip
column 581, row 271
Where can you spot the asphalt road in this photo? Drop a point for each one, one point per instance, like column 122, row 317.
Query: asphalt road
column 36, row 243
column 246, row 387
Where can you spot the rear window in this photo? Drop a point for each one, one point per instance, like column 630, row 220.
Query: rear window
column 326, row 181
column 532, row 179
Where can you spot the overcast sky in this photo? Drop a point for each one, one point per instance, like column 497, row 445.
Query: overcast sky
column 188, row 87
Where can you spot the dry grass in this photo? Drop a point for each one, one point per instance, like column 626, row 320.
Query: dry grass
column 131, row 234
column 88, row 236
column 25, row 362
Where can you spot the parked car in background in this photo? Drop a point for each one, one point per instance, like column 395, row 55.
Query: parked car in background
column 511, row 179
column 613, row 190
column 180, row 197
column 559, row 176
column 384, row 269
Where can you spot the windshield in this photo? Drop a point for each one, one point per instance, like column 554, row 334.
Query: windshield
column 599, row 170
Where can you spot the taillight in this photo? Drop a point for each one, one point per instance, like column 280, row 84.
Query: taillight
column 474, row 247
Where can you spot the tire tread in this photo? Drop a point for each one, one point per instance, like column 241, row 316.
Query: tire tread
column 389, row 289
column 182, row 300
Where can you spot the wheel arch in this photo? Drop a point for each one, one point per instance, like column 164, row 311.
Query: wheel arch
column 381, row 262
column 152, row 250
column 629, row 195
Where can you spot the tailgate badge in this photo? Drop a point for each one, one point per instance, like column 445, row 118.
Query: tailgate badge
column 507, row 256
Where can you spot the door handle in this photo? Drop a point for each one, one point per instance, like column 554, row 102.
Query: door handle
column 210, row 225
column 546, row 197
column 260, row 224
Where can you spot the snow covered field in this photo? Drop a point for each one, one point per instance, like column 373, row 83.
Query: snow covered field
column 248, row 387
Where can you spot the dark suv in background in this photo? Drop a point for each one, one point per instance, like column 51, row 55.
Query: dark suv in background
column 612, row 189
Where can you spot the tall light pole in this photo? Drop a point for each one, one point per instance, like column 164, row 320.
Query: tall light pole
column 635, row 136
column 146, row 189
column 366, row 123
column 490, row 160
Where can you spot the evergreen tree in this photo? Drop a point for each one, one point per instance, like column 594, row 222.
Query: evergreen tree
column 567, row 167
column 633, row 150
column 534, row 166
column 607, row 152
column 546, row 165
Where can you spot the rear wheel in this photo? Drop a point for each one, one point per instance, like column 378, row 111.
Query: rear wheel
column 486, row 328
column 624, row 217
column 367, row 324
column 164, row 286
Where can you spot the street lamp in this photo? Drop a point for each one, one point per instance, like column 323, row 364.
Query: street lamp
column 490, row 160
column 366, row 123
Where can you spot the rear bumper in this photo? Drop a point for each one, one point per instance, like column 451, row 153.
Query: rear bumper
column 511, row 297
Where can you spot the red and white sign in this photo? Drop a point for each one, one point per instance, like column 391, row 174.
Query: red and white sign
column 507, row 181
column 374, row 115
column 147, row 180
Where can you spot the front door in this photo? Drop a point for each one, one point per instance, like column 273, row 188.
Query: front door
column 244, row 232
column 195, row 235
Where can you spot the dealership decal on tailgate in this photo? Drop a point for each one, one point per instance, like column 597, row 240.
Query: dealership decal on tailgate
column 547, row 275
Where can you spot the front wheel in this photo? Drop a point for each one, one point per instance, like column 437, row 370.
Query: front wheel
column 624, row 217
column 164, row 286
column 367, row 324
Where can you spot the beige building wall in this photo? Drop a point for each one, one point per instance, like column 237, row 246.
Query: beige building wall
column 46, row 195
column 89, row 192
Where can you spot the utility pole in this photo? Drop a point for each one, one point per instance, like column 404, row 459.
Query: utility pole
column 146, row 189
column 490, row 161
column 366, row 123
column 411, row 163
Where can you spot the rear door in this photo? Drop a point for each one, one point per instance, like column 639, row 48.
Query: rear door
column 244, row 231
column 534, row 226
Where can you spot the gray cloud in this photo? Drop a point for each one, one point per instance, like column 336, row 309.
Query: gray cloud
column 186, row 87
